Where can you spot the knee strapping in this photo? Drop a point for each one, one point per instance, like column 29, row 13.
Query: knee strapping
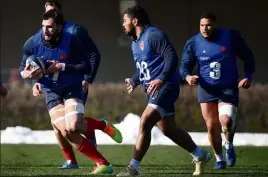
column 230, row 111
column 55, row 121
column 57, row 115
column 74, row 108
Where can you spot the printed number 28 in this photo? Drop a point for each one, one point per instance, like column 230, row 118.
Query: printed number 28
column 144, row 71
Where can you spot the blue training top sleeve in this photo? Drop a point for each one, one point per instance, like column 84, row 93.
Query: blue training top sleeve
column 27, row 51
column 80, row 63
column 160, row 43
column 135, row 79
column 92, row 52
column 188, row 59
column 244, row 53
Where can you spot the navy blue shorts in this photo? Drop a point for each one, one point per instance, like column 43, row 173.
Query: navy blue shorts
column 166, row 97
column 228, row 94
column 55, row 97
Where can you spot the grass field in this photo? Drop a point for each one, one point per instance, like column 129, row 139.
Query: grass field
column 42, row 160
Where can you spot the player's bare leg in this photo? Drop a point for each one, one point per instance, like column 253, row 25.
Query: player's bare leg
column 57, row 114
column 74, row 112
column 227, row 114
column 211, row 117
column 170, row 129
column 148, row 120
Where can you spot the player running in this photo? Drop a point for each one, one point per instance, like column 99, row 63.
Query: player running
column 62, row 86
column 157, row 72
column 82, row 34
column 215, row 50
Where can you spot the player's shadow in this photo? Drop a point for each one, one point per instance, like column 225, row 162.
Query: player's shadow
column 186, row 170
column 155, row 165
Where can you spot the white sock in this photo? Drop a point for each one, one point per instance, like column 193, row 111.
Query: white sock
column 198, row 154
column 219, row 157
column 228, row 145
column 135, row 164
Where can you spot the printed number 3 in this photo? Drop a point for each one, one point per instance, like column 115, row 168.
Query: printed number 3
column 216, row 70
column 144, row 71
column 55, row 76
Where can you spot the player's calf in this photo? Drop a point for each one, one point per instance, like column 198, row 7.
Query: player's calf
column 87, row 148
column 61, row 137
column 149, row 118
column 227, row 114
column 214, row 136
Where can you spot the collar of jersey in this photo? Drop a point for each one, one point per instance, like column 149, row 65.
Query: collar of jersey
column 143, row 31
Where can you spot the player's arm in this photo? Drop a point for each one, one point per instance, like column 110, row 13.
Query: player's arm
column 92, row 52
column 188, row 59
column 23, row 69
column 79, row 61
column 27, row 51
column 135, row 79
column 133, row 82
column 244, row 53
column 160, row 44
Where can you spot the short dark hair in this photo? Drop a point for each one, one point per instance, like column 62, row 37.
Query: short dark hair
column 56, row 15
column 52, row 2
column 139, row 13
column 209, row 15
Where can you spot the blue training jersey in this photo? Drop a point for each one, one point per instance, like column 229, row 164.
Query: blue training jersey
column 89, row 46
column 155, row 58
column 68, row 50
column 216, row 58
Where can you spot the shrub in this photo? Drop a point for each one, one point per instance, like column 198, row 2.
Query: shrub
column 112, row 101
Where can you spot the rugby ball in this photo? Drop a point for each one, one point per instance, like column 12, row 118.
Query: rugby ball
column 35, row 63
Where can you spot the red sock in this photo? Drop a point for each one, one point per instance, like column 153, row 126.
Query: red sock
column 93, row 124
column 68, row 153
column 91, row 152
column 90, row 135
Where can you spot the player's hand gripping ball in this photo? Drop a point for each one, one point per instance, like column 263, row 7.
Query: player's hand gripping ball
column 36, row 64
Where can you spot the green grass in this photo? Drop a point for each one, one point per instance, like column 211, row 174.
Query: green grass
column 42, row 160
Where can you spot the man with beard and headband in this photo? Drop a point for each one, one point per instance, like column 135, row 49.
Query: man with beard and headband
column 68, row 63
column 82, row 34
column 157, row 72
column 215, row 51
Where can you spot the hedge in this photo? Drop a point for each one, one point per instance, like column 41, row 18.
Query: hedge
column 111, row 100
